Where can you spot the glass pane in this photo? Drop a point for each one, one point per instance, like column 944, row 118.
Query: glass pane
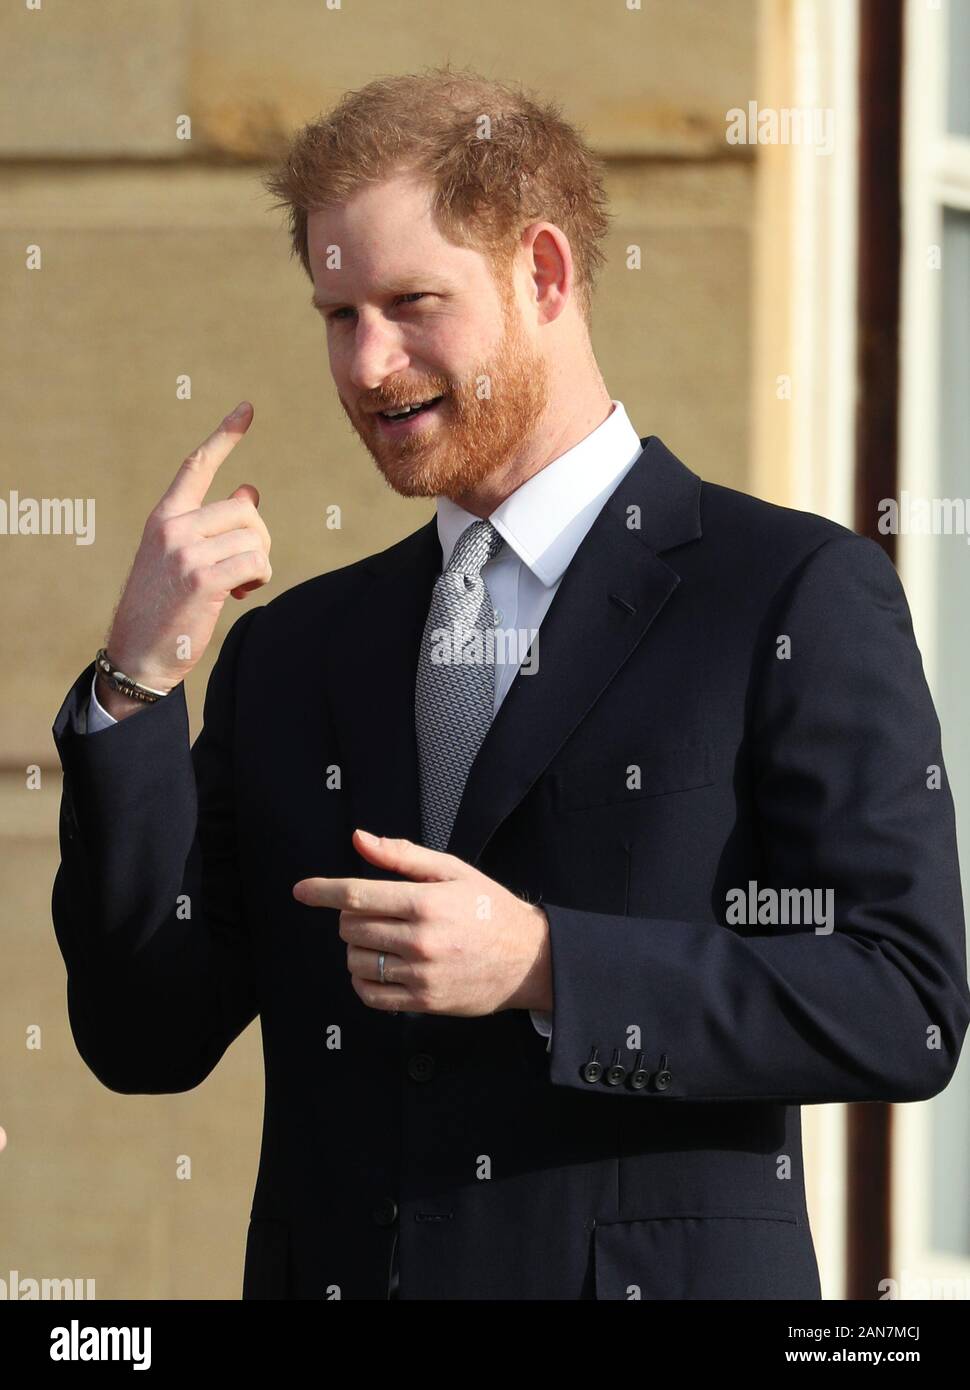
column 951, row 1110
column 958, row 69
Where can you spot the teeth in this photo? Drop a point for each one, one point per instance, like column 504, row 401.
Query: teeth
column 408, row 410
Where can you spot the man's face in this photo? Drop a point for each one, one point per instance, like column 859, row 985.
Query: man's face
column 411, row 318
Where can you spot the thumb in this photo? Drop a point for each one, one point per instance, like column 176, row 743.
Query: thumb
column 247, row 491
column 413, row 861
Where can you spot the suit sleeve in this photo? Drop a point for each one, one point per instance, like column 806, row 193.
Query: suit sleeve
column 844, row 743
column 146, row 901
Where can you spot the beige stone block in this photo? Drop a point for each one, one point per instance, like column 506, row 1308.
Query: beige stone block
column 655, row 80
column 673, row 338
column 93, row 78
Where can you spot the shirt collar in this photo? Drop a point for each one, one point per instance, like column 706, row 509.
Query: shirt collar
column 546, row 518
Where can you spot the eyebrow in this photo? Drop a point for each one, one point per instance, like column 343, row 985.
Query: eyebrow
column 407, row 284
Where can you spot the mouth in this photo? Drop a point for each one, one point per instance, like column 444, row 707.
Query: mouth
column 401, row 417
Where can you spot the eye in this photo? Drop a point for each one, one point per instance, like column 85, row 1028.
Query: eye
column 406, row 298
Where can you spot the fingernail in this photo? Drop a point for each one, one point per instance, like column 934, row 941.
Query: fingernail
column 239, row 410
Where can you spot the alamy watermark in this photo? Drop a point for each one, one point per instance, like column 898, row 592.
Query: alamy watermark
column 813, row 126
column 923, row 516
column 781, row 907
column 493, row 646
column 23, row 1288
column 48, row 516
column 77, row 1343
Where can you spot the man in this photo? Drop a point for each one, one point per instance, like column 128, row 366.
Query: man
column 682, row 863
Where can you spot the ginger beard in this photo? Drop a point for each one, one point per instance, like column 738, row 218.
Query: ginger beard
column 480, row 425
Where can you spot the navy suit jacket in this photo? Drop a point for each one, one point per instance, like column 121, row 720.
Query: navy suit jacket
column 728, row 694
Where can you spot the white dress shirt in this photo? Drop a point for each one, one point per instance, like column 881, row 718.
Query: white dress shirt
column 543, row 523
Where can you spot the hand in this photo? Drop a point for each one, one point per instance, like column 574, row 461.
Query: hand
column 191, row 558
column 455, row 941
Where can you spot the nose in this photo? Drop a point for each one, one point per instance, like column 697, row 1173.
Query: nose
column 377, row 353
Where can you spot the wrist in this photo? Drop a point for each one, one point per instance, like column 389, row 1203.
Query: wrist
column 113, row 702
column 129, row 680
column 536, row 989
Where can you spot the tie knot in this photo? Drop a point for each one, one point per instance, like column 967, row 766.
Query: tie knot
column 477, row 544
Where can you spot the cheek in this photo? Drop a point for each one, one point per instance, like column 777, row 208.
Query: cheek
column 339, row 375
column 449, row 345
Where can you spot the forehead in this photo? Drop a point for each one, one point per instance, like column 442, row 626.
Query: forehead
column 385, row 229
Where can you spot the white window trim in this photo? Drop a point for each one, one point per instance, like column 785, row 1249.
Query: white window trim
column 936, row 173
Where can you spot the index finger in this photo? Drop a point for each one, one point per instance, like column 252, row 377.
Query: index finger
column 194, row 478
column 368, row 895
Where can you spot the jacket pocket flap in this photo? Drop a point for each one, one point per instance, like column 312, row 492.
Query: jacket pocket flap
column 762, row 1256
column 633, row 774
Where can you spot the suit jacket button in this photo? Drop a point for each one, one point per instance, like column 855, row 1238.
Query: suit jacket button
column 615, row 1072
column 421, row 1066
column 662, row 1080
column 385, row 1213
column 639, row 1076
column 593, row 1069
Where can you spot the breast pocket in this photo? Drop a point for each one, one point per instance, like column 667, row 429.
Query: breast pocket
column 630, row 775
column 748, row 1256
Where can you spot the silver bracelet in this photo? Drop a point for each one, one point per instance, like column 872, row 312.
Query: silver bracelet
column 124, row 684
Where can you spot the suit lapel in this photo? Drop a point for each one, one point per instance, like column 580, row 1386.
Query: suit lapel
column 371, row 689
column 608, row 597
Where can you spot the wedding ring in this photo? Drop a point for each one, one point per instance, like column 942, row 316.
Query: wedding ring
column 380, row 966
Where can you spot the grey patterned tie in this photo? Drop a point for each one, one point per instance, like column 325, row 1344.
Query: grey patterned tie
column 454, row 698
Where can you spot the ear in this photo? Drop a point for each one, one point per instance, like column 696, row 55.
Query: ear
column 550, row 265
